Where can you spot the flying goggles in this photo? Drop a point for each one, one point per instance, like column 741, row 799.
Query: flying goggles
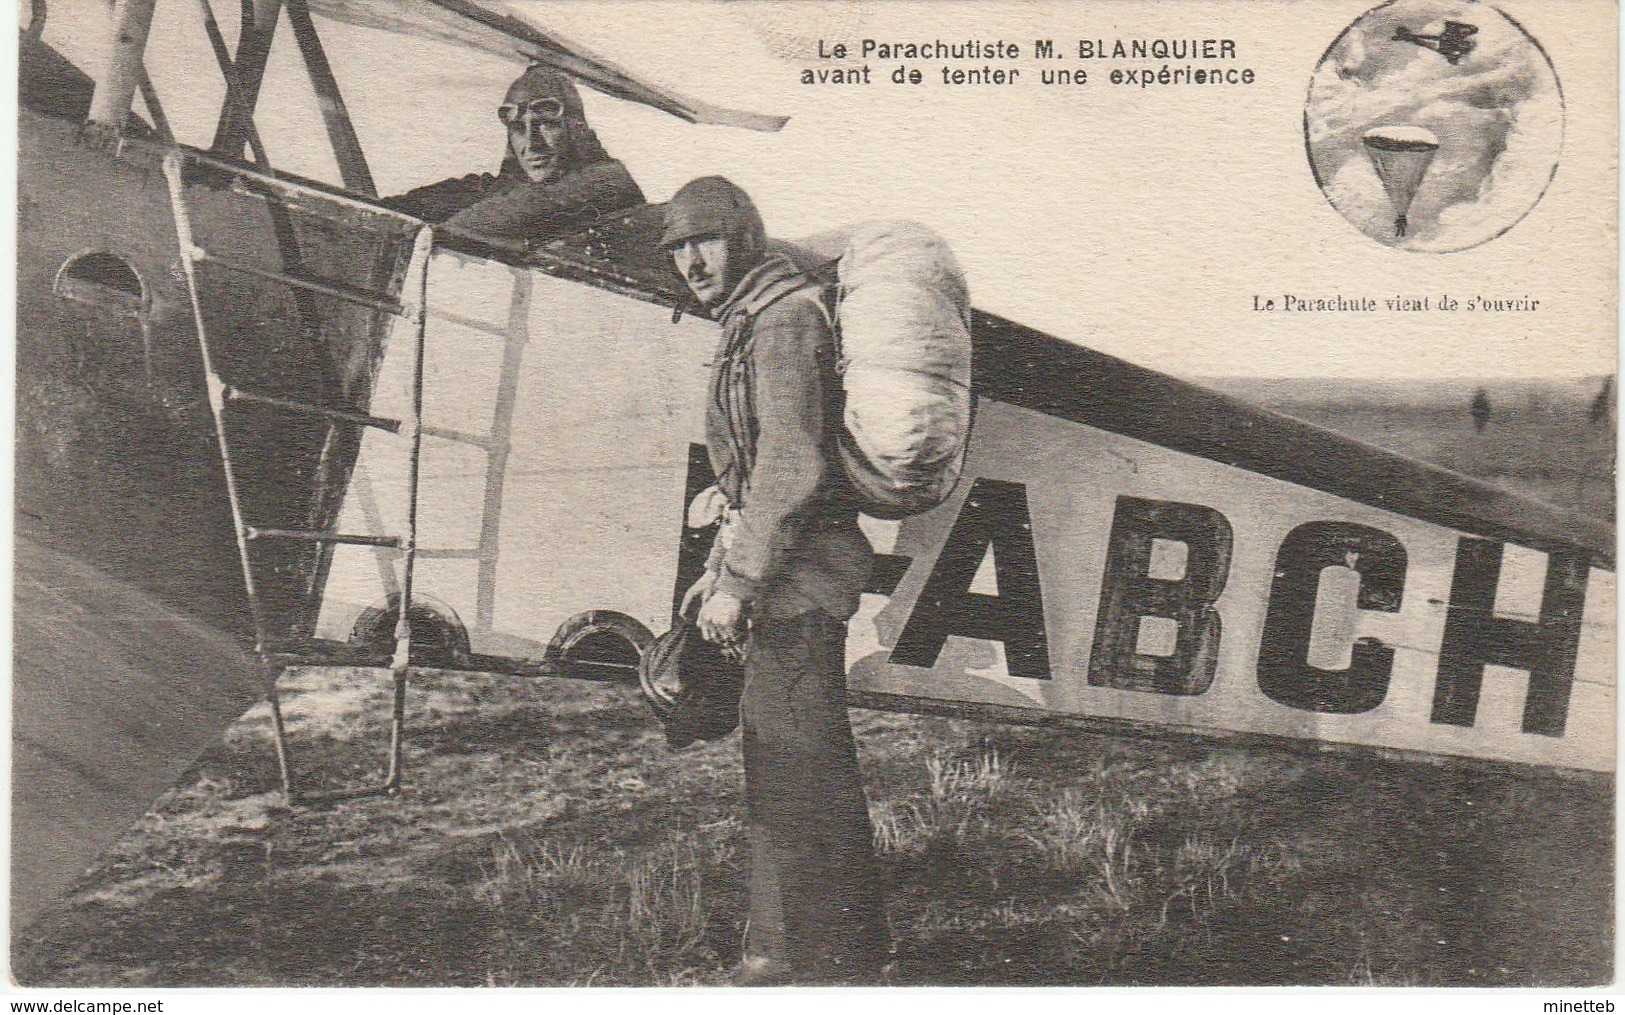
column 546, row 109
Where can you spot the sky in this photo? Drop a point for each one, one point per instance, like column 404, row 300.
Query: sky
column 1147, row 224
column 1496, row 113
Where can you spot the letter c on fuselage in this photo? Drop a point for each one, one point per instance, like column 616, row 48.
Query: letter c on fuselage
column 1285, row 672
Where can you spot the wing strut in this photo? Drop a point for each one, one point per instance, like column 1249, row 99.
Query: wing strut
column 243, row 88
column 340, row 130
column 110, row 104
column 228, row 70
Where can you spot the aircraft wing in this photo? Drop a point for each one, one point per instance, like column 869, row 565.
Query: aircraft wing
column 491, row 26
column 114, row 695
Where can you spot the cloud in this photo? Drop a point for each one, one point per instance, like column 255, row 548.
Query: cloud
column 1497, row 114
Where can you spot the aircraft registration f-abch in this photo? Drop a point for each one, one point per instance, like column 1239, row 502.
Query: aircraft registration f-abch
column 426, row 448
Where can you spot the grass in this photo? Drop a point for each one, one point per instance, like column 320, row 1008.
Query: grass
column 547, row 837
column 649, row 913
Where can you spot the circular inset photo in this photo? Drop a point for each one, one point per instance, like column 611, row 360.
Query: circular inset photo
column 1434, row 124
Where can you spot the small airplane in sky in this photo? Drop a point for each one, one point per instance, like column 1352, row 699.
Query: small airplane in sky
column 1455, row 42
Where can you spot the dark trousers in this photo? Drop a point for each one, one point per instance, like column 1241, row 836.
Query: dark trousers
column 815, row 904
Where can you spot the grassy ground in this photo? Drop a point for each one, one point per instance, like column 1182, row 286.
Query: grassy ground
column 547, row 837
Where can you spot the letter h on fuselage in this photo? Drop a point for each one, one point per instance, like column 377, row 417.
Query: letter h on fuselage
column 1474, row 638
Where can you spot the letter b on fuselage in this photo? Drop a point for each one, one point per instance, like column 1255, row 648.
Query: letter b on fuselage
column 1131, row 593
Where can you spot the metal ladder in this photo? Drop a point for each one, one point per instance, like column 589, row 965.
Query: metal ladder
column 222, row 394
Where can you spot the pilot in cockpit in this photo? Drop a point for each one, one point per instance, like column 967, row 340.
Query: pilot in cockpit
column 555, row 176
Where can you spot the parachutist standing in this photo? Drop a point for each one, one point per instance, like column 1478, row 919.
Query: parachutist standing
column 784, row 577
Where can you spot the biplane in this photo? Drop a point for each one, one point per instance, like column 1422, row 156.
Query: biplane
column 266, row 421
column 1453, row 42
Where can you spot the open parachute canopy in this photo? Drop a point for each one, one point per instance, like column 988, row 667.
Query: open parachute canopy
column 491, row 26
column 1401, row 155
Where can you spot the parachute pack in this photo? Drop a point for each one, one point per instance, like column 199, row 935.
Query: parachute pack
column 902, row 328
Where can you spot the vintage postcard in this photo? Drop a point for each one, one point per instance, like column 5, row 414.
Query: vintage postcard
column 883, row 495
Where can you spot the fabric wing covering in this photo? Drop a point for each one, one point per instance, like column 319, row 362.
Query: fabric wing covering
column 491, row 26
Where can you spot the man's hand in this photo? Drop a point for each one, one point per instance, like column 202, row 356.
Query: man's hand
column 722, row 622
column 698, row 593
